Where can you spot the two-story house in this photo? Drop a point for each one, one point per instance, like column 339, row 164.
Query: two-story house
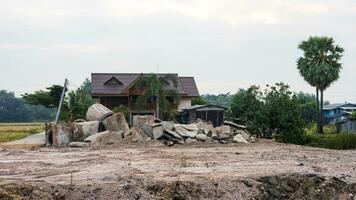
column 337, row 112
column 114, row 89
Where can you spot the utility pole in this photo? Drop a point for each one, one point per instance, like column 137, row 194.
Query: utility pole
column 61, row 101
column 157, row 104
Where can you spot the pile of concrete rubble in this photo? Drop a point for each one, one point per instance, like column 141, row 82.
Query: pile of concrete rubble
column 102, row 127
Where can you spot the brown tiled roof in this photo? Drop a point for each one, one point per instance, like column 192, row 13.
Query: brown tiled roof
column 189, row 86
column 186, row 85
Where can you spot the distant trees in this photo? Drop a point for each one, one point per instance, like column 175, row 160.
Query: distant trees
column 199, row 101
column 320, row 67
column 220, row 99
column 13, row 109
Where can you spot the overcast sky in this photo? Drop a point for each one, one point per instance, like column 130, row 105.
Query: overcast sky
column 224, row 44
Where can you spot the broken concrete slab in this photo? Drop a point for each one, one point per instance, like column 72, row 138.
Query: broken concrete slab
column 116, row 122
column 98, row 112
column 232, row 124
column 243, row 134
column 190, row 127
column 223, row 130
column 148, row 130
column 191, row 141
column 201, row 137
column 139, row 121
column 184, row 132
column 208, row 129
column 78, row 145
column 137, row 135
column 240, row 139
column 61, row 135
column 104, row 138
column 82, row 130
column 157, row 132
column 167, row 125
column 173, row 134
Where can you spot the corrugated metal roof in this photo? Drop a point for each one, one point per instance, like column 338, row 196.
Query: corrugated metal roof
column 338, row 105
column 186, row 86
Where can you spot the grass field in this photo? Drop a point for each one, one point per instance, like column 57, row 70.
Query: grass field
column 15, row 131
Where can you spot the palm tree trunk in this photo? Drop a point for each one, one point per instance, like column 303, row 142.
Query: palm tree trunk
column 317, row 111
column 321, row 111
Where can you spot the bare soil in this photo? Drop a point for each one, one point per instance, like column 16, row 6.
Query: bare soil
column 152, row 171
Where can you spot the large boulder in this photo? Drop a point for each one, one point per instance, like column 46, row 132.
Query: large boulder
column 157, row 132
column 116, row 122
column 61, row 135
column 139, row 121
column 240, row 139
column 201, row 137
column 98, row 112
column 82, row 130
column 184, row 132
column 147, row 130
column 104, row 138
column 244, row 134
column 223, row 132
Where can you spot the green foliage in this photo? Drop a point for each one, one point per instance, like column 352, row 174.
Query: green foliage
column 158, row 92
column 273, row 113
column 123, row 109
column 283, row 114
column 352, row 116
column 79, row 101
column 220, row 100
column 13, row 109
column 49, row 98
column 199, row 101
column 247, row 108
column 332, row 141
column 307, row 105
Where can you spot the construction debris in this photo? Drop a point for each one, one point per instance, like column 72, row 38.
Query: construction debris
column 107, row 128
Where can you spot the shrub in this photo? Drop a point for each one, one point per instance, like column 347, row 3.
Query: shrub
column 331, row 141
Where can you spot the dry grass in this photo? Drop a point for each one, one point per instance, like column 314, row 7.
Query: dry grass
column 15, row 131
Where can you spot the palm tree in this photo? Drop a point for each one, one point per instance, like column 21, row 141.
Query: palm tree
column 158, row 89
column 320, row 67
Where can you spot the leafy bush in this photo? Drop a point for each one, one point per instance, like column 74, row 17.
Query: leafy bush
column 123, row 109
column 332, row 141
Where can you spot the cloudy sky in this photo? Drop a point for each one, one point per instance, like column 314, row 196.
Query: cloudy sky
column 225, row 44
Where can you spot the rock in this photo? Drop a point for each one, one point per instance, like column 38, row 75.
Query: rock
column 184, row 132
column 148, row 130
column 209, row 140
column 98, row 112
column 173, row 134
column 222, row 136
column 116, row 122
column 208, row 129
column 83, row 130
column 243, row 134
column 190, row 127
column 157, row 132
column 168, row 125
column 201, row 137
column 139, row 121
column 104, row 138
column 252, row 140
column 78, row 145
column 137, row 135
column 169, row 137
column 223, row 130
column 190, row 141
column 61, row 135
column 223, row 142
column 238, row 138
column 232, row 124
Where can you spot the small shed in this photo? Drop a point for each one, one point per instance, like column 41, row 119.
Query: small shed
column 212, row 113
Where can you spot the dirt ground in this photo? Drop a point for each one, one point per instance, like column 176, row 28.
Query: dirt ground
column 193, row 164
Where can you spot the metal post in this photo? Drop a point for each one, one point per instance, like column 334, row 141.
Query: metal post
column 61, row 101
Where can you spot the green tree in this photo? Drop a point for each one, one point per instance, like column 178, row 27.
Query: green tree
column 160, row 90
column 283, row 114
column 80, row 100
column 220, row 99
column 199, row 101
column 48, row 98
column 307, row 106
column 247, row 108
column 320, row 67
